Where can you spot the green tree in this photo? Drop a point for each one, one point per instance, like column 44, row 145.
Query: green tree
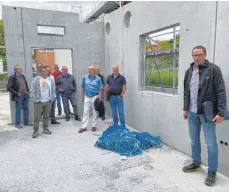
column 2, row 43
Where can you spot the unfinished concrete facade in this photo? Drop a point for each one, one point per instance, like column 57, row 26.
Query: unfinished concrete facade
column 157, row 113
column 85, row 40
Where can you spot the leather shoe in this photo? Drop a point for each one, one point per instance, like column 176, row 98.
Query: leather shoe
column 55, row 122
column 77, row 118
column 82, row 130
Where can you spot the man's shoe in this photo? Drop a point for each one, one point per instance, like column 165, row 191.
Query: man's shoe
column 28, row 124
column 67, row 118
column 210, row 180
column 82, row 130
column 93, row 129
column 59, row 113
column 46, row 131
column 77, row 118
column 18, row 126
column 103, row 118
column 191, row 168
column 35, row 134
column 55, row 122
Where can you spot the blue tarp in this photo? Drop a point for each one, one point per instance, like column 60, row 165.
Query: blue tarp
column 125, row 142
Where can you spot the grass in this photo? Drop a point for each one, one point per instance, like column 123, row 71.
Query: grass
column 153, row 79
column 3, row 77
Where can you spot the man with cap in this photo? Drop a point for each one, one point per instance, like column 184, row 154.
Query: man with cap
column 67, row 87
column 18, row 87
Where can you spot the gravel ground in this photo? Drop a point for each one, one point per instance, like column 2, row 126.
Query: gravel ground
column 4, row 110
column 68, row 162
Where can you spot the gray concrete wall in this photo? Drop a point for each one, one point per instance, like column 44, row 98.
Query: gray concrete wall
column 21, row 36
column 91, row 50
column 159, row 113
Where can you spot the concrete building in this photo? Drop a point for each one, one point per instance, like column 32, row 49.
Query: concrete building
column 120, row 39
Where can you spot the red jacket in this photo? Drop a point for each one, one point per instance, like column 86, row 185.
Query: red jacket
column 56, row 74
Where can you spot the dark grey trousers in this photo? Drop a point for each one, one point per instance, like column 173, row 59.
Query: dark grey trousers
column 72, row 99
column 53, row 109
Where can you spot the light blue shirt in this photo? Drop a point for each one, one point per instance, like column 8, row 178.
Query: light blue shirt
column 91, row 85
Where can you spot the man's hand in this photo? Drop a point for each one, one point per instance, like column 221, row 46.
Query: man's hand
column 106, row 98
column 83, row 99
column 218, row 119
column 185, row 114
column 61, row 89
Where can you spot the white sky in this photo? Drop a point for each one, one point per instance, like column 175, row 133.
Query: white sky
column 67, row 6
column 164, row 37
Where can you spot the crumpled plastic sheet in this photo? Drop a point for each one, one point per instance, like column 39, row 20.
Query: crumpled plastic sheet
column 125, row 142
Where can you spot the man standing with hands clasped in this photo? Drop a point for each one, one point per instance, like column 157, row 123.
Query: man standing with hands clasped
column 67, row 87
column 204, row 104
column 91, row 90
column 116, row 86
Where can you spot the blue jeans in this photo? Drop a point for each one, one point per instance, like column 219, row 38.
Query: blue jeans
column 58, row 101
column 22, row 102
column 117, row 102
column 195, row 121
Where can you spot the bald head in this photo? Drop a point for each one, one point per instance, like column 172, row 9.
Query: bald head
column 91, row 70
column 64, row 70
column 115, row 69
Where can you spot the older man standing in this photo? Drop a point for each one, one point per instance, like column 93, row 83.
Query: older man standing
column 18, row 87
column 67, row 86
column 91, row 90
column 116, row 85
column 204, row 86
column 42, row 94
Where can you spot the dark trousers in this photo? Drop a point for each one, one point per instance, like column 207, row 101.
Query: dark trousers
column 53, row 109
column 58, row 100
column 72, row 99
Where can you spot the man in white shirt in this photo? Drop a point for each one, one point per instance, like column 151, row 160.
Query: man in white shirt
column 42, row 94
column 53, row 107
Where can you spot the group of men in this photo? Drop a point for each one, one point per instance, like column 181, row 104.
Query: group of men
column 204, row 102
column 46, row 89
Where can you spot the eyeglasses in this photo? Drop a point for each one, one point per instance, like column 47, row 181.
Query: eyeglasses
column 197, row 55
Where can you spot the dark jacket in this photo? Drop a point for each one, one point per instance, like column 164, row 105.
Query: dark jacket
column 99, row 106
column 211, row 88
column 13, row 86
column 67, row 83
column 102, row 78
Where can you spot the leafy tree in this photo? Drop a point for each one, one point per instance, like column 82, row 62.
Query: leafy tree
column 2, row 43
